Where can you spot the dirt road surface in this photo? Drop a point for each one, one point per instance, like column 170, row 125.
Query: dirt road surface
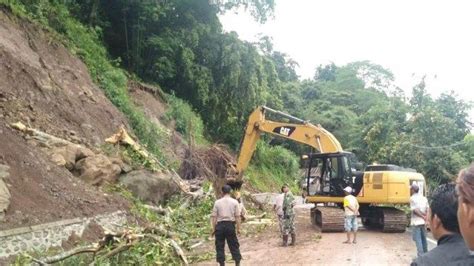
column 316, row 248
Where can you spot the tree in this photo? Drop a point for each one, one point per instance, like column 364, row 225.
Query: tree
column 326, row 73
column 457, row 110
column 261, row 10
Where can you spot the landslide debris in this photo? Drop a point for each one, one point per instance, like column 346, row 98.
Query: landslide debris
column 215, row 163
column 48, row 89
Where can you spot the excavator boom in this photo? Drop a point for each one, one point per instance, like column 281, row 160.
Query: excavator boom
column 300, row 131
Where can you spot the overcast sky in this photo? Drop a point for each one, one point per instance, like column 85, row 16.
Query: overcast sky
column 411, row 38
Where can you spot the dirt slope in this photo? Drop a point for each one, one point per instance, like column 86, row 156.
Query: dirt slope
column 45, row 87
column 151, row 101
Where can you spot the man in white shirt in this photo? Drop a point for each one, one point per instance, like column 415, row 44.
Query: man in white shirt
column 419, row 210
column 225, row 221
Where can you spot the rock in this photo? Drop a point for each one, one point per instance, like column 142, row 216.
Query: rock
column 68, row 155
column 58, row 159
column 4, row 171
column 126, row 168
column 98, row 169
column 149, row 186
column 75, row 139
column 4, row 192
column 87, row 126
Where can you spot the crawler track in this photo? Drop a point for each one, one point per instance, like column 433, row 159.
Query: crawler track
column 329, row 219
column 387, row 219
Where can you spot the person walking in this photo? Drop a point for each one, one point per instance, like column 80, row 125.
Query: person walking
column 419, row 210
column 351, row 210
column 284, row 204
column 465, row 213
column 444, row 226
column 225, row 221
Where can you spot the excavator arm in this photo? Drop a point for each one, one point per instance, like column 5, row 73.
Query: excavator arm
column 300, row 131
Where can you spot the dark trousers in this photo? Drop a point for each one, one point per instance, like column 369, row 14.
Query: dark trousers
column 226, row 231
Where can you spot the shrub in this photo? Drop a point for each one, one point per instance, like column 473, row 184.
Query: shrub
column 271, row 167
column 187, row 121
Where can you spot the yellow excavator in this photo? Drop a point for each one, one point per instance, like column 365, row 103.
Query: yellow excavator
column 329, row 171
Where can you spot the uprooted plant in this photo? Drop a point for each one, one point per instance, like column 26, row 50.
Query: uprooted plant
column 214, row 163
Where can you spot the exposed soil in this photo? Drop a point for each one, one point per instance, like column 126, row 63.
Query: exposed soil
column 44, row 86
column 316, row 248
column 151, row 101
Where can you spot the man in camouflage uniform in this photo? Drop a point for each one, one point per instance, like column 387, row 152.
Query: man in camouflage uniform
column 286, row 215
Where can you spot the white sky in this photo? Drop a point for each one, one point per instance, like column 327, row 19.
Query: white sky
column 411, row 38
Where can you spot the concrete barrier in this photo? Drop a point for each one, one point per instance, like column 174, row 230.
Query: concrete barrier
column 44, row 236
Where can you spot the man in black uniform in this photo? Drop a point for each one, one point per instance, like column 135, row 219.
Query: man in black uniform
column 225, row 220
column 444, row 225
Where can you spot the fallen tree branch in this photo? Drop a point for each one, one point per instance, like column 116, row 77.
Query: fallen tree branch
column 255, row 217
column 45, row 138
column 122, row 137
column 179, row 251
column 261, row 221
column 158, row 210
column 120, row 248
column 62, row 256
column 196, row 245
column 158, row 230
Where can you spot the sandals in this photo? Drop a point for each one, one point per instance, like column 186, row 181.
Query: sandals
column 348, row 242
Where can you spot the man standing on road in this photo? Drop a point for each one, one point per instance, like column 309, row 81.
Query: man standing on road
column 442, row 217
column 419, row 209
column 351, row 210
column 283, row 206
column 225, row 220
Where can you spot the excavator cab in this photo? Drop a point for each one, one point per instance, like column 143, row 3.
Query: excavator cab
column 328, row 173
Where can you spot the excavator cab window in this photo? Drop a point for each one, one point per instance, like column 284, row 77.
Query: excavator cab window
column 332, row 175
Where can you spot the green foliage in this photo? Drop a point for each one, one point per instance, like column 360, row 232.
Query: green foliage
column 190, row 221
column 272, row 167
column 260, row 9
column 187, row 122
column 469, row 147
column 423, row 133
column 360, row 106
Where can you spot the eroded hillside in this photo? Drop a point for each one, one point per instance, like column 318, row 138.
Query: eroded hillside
column 45, row 87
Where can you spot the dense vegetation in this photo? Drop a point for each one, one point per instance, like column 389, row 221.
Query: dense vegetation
column 375, row 120
column 215, row 80
column 181, row 46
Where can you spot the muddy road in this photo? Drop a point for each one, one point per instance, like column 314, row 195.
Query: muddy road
column 316, row 248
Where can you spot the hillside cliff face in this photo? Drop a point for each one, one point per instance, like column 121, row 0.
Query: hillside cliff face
column 46, row 88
